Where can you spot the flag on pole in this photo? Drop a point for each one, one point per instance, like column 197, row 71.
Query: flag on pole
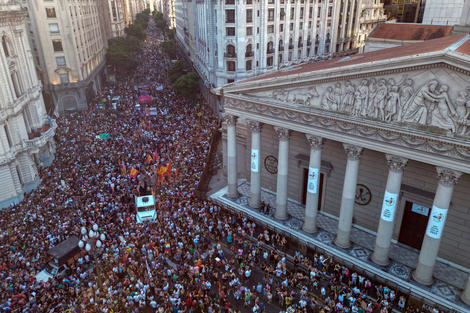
column 168, row 169
column 149, row 159
column 133, row 172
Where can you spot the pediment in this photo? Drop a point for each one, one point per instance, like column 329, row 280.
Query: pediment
column 435, row 97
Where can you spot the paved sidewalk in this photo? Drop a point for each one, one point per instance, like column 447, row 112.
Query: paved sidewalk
column 449, row 280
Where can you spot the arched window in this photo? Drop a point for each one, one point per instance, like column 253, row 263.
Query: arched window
column 281, row 45
column 270, row 47
column 291, row 43
column 249, row 50
column 6, row 49
column 309, row 41
column 300, row 42
column 231, row 51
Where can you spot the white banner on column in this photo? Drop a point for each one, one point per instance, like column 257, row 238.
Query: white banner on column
column 388, row 206
column 436, row 222
column 254, row 160
column 312, row 184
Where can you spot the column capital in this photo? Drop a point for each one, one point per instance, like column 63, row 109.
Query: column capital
column 447, row 176
column 230, row 119
column 396, row 163
column 316, row 142
column 353, row 152
column 283, row 133
column 255, row 126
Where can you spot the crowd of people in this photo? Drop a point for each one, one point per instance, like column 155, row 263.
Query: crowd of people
column 195, row 257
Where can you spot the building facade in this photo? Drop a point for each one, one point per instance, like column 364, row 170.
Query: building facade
column 234, row 40
column 379, row 141
column 443, row 12
column 69, row 41
column 26, row 133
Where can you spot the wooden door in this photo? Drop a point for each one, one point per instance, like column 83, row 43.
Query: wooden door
column 413, row 225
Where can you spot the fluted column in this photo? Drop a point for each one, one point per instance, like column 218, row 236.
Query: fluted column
column 349, row 193
column 231, row 121
column 437, row 219
column 385, row 231
column 255, row 198
column 282, row 173
column 311, row 206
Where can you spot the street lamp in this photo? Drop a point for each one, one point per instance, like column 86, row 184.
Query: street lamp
column 93, row 240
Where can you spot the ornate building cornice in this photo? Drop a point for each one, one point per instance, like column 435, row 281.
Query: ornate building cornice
column 255, row 126
column 230, row 119
column 389, row 138
column 315, row 142
column 353, row 152
column 283, row 133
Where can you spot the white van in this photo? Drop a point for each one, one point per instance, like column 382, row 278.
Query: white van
column 145, row 208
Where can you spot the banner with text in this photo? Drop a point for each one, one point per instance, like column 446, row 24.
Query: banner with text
column 436, row 222
column 312, row 184
column 254, row 160
column 388, row 206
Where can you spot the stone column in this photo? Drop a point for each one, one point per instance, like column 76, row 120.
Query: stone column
column 231, row 121
column 311, row 206
column 437, row 219
column 385, row 231
column 349, row 194
column 255, row 199
column 465, row 294
column 282, row 173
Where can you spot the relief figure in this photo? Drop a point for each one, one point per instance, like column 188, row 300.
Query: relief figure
column 348, row 99
column 444, row 112
column 393, row 103
column 328, row 101
column 417, row 107
column 463, row 111
column 372, row 94
column 405, row 94
column 380, row 99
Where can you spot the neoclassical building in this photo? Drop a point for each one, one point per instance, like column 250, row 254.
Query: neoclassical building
column 379, row 140
column 26, row 133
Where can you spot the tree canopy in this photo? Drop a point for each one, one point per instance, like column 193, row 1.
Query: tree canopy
column 159, row 20
column 169, row 47
column 187, row 86
column 135, row 30
column 178, row 69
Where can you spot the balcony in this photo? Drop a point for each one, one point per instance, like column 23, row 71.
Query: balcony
column 291, row 46
column 40, row 137
column 249, row 54
column 230, row 55
column 270, row 51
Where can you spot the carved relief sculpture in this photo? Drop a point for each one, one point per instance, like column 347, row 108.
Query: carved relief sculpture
column 380, row 99
column 416, row 109
column 444, row 110
column 348, row 99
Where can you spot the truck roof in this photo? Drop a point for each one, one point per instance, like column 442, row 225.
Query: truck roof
column 144, row 201
column 64, row 247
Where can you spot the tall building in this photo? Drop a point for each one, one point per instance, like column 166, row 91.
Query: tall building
column 377, row 142
column 231, row 40
column 69, row 41
column 444, row 12
column 120, row 19
column 26, row 133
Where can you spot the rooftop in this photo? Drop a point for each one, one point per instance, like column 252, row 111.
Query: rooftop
column 411, row 32
column 450, row 43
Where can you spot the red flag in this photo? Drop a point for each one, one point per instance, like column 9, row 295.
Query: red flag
column 133, row 172
column 149, row 159
column 168, row 169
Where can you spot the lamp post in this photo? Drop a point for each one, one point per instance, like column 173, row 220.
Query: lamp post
column 93, row 240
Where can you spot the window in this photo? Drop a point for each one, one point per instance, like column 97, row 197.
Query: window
column 8, row 135
column 19, row 175
column 249, row 15
column 33, row 44
column 230, row 31
column 249, row 50
column 270, row 29
column 248, row 65
column 50, row 12
column 329, row 11
column 6, row 48
column 257, row 13
column 301, row 13
column 301, row 25
column 249, row 31
column 57, row 44
column 229, row 81
column 54, row 28
column 229, row 1
column 292, row 13
column 310, row 12
column 60, row 61
column 64, row 78
column 231, row 51
column 30, row 27
column 271, row 15
column 270, row 1
column 269, row 61
column 318, row 12
column 229, row 16
column 257, row 30
column 249, row 1
column 270, row 48
column 281, row 27
column 280, row 58
column 281, row 45
column 291, row 26
column 231, row 66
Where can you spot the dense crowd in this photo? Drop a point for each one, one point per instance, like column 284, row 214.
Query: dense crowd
column 196, row 257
